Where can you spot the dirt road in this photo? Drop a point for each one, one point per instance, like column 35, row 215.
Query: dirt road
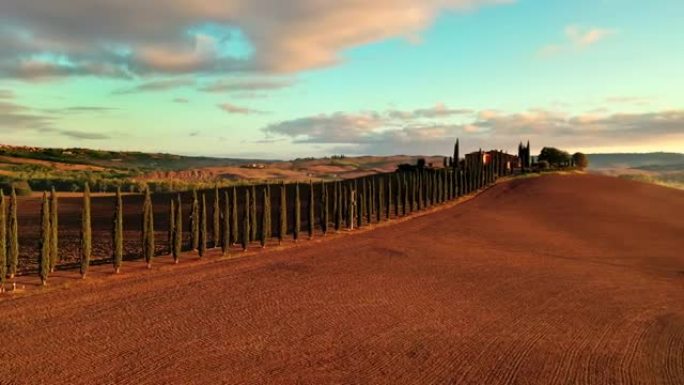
column 551, row 280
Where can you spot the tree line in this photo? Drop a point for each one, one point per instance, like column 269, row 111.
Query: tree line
column 240, row 217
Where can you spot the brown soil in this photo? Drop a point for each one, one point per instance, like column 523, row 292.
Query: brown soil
column 551, row 280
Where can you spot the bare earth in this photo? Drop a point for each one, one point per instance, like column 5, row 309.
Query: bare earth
column 551, row 280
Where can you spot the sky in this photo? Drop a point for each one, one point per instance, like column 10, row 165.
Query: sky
column 282, row 79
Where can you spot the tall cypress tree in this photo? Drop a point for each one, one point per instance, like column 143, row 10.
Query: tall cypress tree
column 44, row 261
column 369, row 201
column 117, row 232
column 254, row 225
column 297, row 214
column 246, row 222
column 178, row 230
column 235, row 230
column 13, row 252
column 412, row 187
column 360, row 209
column 194, row 221
column 54, row 226
column 406, row 194
column 282, row 229
column 337, row 210
column 225, row 238
column 402, row 193
column 388, row 209
column 148, row 222
column 265, row 217
column 324, row 208
column 216, row 213
column 203, row 227
column 419, row 186
column 86, row 235
column 380, row 198
column 397, row 195
column 456, row 155
column 312, row 217
column 172, row 224
column 3, row 242
column 349, row 194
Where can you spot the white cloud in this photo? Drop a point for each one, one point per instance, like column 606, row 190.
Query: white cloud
column 577, row 38
column 392, row 133
column 132, row 37
column 233, row 109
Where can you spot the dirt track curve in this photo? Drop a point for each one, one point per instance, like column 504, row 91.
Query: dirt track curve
column 551, row 280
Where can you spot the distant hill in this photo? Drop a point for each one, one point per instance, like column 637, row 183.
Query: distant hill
column 68, row 169
column 664, row 168
column 118, row 159
column 636, row 160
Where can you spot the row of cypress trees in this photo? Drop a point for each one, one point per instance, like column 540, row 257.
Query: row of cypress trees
column 341, row 204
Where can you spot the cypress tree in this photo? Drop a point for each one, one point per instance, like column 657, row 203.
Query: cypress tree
column 254, row 224
column 435, row 188
column 246, row 222
column 370, row 212
column 337, row 211
column 419, row 187
column 3, row 242
column 381, row 200
column 178, row 230
column 312, row 217
column 282, row 231
column 203, row 227
column 13, row 235
column 397, row 196
column 323, row 215
column 360, row 206
column 350, row 203
column 86, row 235
column 297, row 214
column 148, row 222
column 265, row 217
column 369, row 201
column 44, row 261
column 216, row 213
column 234, row 218
column 225, row 238
column 54, row 226
column 145, row 216
column 388, row 208
column 172, row 224
column 456, row 155
column 194, row 221
column 412, row 187
column 117, row 232
column 406, row 195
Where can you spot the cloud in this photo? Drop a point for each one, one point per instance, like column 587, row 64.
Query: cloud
column 181, row 100
column 77, row 110
column 83, row 135
column 633, row 100
column 246, row 85
column 14, row 117
column 382, row 133
column 17, row 118
column 577, row 38
column 584, row 37
column 127, row 38
column 6, row 94
column 156, row 85
column 438, row 111
column 233, row 109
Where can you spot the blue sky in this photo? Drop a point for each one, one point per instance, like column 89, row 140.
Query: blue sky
column 262, row 78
